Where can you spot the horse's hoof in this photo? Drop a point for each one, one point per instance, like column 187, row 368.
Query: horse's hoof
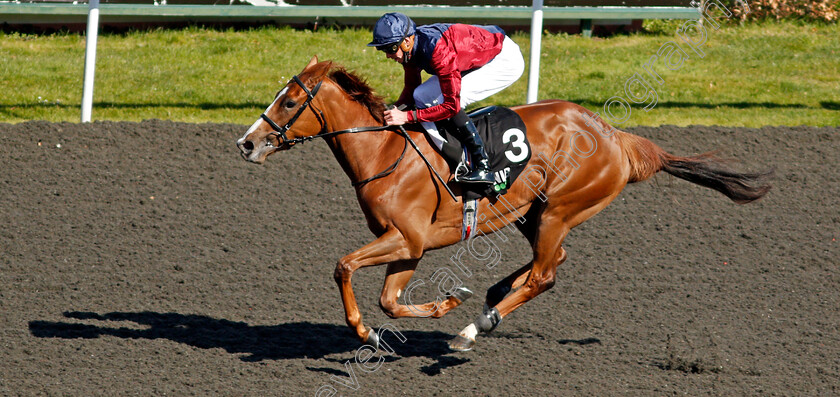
column 372, row 339
column 461, row 294
column 461, row 344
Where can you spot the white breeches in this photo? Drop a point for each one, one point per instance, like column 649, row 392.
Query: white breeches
column 496, row 75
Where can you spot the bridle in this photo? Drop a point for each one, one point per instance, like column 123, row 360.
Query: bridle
column 280, row 132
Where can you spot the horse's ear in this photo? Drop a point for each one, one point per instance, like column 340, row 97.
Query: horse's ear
column 312, row 61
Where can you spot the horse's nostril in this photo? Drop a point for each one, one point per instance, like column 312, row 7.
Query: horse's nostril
column 248, row 145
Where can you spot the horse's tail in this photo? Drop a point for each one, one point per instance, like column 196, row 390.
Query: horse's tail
column 646, row 159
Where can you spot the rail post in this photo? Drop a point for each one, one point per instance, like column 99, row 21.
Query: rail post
column 90, row 59
column 536, row 44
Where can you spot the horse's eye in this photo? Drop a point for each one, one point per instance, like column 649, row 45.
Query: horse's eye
column 290, row 104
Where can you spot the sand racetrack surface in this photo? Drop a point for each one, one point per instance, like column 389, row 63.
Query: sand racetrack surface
column 150, row 259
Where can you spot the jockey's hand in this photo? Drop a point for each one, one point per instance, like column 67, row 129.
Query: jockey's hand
column 395, row 117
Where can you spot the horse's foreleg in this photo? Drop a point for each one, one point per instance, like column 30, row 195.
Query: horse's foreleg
column 390, row 247
column 399, row 274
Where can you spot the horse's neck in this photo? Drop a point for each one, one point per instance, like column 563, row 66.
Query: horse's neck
column 364, row 154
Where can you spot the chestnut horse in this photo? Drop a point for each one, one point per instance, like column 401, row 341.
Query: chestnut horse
column 575, row 172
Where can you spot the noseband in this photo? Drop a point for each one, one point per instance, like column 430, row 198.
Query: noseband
column 280, row 132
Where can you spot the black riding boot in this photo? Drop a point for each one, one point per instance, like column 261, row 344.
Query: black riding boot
column 481, row 173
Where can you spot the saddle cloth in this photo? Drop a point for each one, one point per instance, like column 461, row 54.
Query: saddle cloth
column 505, row 141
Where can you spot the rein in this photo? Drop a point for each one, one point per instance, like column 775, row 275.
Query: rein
column 388, row 170
column 280, row 132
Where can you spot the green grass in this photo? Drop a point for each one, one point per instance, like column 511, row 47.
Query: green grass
column 752, row 75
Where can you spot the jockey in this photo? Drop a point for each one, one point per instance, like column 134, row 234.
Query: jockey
column 467, row 63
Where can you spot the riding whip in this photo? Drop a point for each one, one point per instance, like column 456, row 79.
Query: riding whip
column 428, row 164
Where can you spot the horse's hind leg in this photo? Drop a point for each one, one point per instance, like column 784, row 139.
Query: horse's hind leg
column 498, row 291
column 548, row 254
column 554, row 224
column 398, row 276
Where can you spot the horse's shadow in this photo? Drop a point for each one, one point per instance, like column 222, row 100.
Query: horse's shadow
column 254, row 342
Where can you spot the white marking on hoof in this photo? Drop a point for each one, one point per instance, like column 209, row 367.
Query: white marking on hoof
column 470, row 332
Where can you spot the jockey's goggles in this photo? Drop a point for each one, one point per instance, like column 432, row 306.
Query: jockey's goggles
column 390, row 48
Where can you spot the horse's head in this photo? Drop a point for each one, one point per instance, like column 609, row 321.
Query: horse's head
column 289, row 118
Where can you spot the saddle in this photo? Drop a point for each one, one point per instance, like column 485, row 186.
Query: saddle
column 505, row 141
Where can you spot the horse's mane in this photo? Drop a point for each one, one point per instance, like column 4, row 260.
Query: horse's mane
column 360, row 91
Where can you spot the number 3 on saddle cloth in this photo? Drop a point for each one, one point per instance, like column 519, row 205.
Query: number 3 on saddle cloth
column 505, row 141
column 507, row 147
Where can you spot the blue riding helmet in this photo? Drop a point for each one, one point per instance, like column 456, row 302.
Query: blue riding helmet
column 391, row 28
